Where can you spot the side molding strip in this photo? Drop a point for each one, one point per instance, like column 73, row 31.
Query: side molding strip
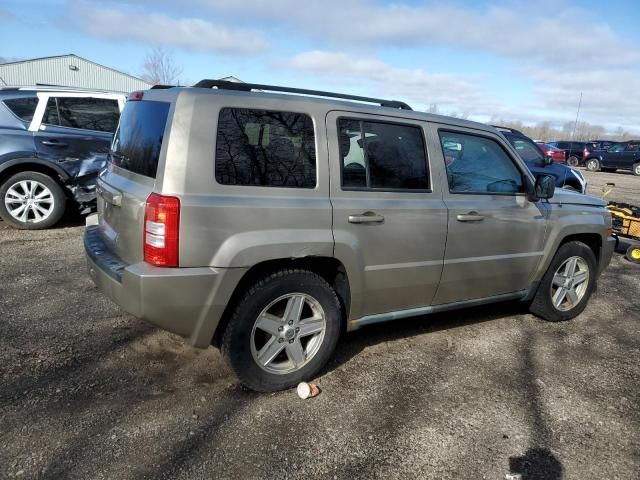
column 414, row 312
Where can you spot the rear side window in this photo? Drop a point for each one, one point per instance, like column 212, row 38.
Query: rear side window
column 479, row 165
column 23, row 108
column 138, row 140
column 265, row 148
column 99, row 114
column 380, row 155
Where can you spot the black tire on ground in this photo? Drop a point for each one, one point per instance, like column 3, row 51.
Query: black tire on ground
column 59, row 201
column 593, row 165
column 237, row 338
column 542, row 304
column 573, row 161
column 636, row 169
column 633, row 254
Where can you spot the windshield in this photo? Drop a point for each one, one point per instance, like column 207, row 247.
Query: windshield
column 527, row 150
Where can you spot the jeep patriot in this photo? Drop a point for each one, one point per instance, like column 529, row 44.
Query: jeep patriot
column 266, row 223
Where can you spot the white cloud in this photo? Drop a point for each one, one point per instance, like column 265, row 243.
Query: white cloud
column 385, row 80
column 159, row 29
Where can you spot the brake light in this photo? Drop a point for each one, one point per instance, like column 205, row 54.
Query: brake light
column 161, row 230
column 135, row 96
column 585, row 153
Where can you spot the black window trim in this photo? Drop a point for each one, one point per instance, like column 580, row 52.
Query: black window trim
column 526, row 180
column 284, row 187
column 361, row 121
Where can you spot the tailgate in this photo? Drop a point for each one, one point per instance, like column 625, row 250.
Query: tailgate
column 123, row 189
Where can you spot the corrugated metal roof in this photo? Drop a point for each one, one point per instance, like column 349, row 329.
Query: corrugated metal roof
column 69, row 71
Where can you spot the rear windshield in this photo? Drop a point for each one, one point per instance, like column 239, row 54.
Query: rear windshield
column 138, row 140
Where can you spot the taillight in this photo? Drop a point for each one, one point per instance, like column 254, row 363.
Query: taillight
column 585, row 153
column 161, row 230
column 135, row 96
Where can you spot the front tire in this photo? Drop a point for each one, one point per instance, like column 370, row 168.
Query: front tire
column 593, row 165
column 573, row 161
column 31, row 201
column 567, row 285
column 636, row 169
column 283, row 331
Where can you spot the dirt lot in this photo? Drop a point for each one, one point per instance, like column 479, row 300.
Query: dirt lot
column 89, row 392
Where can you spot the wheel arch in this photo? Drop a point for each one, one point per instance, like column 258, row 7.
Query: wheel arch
column 329, row 268
column 11, row 167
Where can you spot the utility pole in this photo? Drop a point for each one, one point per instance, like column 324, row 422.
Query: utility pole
column 575, row 125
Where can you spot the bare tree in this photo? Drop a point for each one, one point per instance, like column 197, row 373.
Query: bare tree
column 159, row 67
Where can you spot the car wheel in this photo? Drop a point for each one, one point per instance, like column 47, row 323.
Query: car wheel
column 283, row 331
column 593, row 165
column 32, row 201
column 636, row 169
column 573, row 161
column 567, row 285
column 633, row 254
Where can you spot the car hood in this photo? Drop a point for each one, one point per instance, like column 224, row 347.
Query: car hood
column 562, row 196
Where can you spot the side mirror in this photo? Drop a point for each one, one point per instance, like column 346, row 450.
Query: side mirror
column 545, row 186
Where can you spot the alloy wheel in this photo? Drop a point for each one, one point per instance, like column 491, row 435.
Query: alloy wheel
column 29, row 201
column 288, row 333
column 569, row 283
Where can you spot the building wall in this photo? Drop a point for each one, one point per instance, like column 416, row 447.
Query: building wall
column 57, row 71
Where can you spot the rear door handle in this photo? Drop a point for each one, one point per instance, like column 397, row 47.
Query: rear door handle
column 367, row 217
column 54, row 143
column 470, row 217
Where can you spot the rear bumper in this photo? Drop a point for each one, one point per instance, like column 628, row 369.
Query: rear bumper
column 186, row 301
column 606, row 254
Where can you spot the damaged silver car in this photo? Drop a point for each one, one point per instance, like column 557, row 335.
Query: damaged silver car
column 53, row 143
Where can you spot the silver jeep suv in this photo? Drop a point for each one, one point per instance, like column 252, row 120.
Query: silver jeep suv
column 267, row 224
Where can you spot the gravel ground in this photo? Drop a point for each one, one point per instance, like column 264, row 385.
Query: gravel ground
column 89, row 392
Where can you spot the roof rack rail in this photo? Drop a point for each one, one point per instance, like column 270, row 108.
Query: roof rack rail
column 161, row 87
column 247, row 87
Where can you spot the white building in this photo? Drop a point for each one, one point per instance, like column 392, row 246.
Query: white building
column 68, row 71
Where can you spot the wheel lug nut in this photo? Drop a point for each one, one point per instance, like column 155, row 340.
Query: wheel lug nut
column 291, row 341
column 290, row 322
column 297, row 329
column 280, row 329
column 280, row 340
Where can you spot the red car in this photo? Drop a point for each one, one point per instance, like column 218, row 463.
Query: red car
column 558, row 155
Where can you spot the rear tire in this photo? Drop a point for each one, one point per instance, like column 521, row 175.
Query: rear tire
column 573, row 161
column 593, row 165
column 270, row 348
column 563, row 294
column 636, row 169
column 31, row 201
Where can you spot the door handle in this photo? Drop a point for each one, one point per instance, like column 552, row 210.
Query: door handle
column 54, row 143
column 367, row 217
column 470, row 217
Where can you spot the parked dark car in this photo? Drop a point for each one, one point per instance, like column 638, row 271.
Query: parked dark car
column 576, row 152
column 53, row 142
column 623, row 156
column 566, row 177
column 556, row 154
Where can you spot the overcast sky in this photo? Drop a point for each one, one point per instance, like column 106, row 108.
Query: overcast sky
column 522, row 60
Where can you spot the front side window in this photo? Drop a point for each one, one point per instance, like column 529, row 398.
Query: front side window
column 23, row 108
column 382, row 155
column 479, row 165
column 265, row 148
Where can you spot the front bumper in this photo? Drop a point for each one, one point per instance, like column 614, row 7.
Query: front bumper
column 186, row 301
column 607, row 252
